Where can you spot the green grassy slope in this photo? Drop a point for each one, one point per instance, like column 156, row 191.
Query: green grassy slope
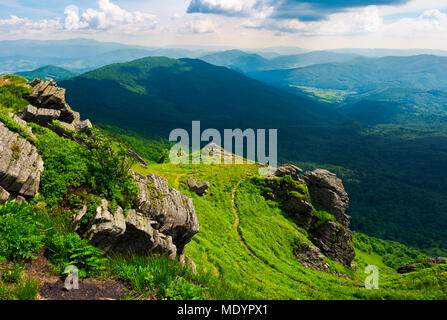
column 248, row 243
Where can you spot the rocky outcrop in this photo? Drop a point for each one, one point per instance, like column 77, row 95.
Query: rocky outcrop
column 288, row 169
column 302, row 198
column 335, row 241
column 326, row 189
column 199, row 188
column 21, row 166
column 165, row 221
column 48, row 104
column 426, row 263
column 311, row 257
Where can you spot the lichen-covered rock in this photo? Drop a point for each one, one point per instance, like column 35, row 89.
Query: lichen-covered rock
column 293, row 199
column 332, row 238
column 288, row 169
column 106, row 227
column 335, row 241
column 141, row 237
column 199, row 188
column 311, row 257
column 172, row 211
column 326, row 189
column 165, row 221
column 21, row 166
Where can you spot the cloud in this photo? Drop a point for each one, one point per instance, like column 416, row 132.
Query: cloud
column 224, row 7
column 199, row 27
column 109, row 16
column 430, row 23
column 17, row 25
column 303, row 10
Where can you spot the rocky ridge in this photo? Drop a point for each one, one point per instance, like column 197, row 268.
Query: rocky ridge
column 164, row 221
column 305, row 198
column 48, row 104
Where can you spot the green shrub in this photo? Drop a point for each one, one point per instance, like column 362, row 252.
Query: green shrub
column 20, row 232
column 181, row 289
column 12, row 273
column 70, row 249
column 27, row 289
column 149, row 274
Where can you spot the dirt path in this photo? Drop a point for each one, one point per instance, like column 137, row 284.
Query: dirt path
column 52, row 287
column 238, row 220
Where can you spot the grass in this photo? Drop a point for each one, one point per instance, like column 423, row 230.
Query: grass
column 256, row 261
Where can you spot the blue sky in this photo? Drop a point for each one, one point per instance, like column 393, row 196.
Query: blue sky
column 314, row 24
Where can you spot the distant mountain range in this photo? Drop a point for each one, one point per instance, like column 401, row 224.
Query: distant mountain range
column 250, row 62
column 77, row 55
column 47, row 72
column 365, row 74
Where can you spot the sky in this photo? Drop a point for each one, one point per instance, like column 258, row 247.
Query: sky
column 310, row 24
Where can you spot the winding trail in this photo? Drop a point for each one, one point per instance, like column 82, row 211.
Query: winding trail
column 238, row 220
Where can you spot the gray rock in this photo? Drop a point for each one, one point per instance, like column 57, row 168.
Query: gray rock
column 298, row 207
column 49, row 104
column 173, row 212
column 335, row 241
column 40, row 116
column 21, row 166
column 23, row 124
column 426, row 263
column 199, row 188
column 164, row 222
column 106, row 228
column 136, row 157
column 326, row 189
column 4, row 195
column 311, row 257
column 288, row 169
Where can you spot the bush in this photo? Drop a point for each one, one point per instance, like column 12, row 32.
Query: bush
column 151, row 274
column 181, row 289
column 20, row 232
column 70, row 249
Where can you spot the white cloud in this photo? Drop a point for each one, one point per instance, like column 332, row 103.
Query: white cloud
column 199, row 26
column 17, row 25
column 107, row 17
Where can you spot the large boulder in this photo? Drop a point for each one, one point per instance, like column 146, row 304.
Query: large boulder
column 199, row 188
column 173, row 212
column 164, row 222
column 21, row 166
column 328, row 190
